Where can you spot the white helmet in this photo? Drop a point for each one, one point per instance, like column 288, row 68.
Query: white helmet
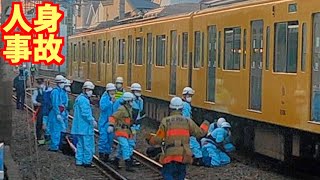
column 176, row 103
column 24, row 66
column 128, row 96
column 187, row 90
column 220, row 121
column 225, row 125
column 110, row 87
column 88, row 85
column 119, row 80
column 59, row 79
column 135, row 87
column 67, row 82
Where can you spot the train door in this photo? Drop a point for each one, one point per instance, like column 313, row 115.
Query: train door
column 173, row 63
column 149, row 62
column 256, row 65
column 211, row 73
column 99, row 59
column 113, row 58
column 315, row 68
column 129, row 71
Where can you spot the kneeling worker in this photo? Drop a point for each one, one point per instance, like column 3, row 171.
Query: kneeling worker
column 173, row 134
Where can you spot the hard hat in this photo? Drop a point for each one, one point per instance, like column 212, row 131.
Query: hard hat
column 128, row 96
column 188, row 90
column 135, row 87
column 220, row 121
column 110, row 87
column 88, row 85
column 24, row 66
column 59, row 79
column 176, row 103
column 225, row 125
column 119, row 80
column 67, row 82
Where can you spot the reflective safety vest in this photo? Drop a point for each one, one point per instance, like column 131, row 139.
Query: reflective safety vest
column 119, row 94
column 174, row 133
column 122, row 121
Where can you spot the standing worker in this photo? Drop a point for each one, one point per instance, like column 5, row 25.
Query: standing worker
column 173, row 134
column 33, row 71
column 67, row 101
column 119, row 86
column 106, row 107
column 56, row 120
column 19, row 85
column 121, row 122
column 83, row 126
column 37, row 100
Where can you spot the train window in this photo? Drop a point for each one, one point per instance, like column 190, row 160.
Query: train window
column 179, row 47
column 232, row 48
column 149, row 61
column 130, row 49
column 286, row 47
column 315, row 68
column 108, row 52
column 174, row 48
column 88, row 51
column 93, row 52
column 211, row 73
column 122, row 50
column 304, row 47
column 160, row 50
column 74, row 52
column 104, row 52
column 197, row 49
column 268, row 48
column 244, row 55
column 185, row 49
column 99, row 50
column 139, row 51
column 83, row 52
column 219, row 49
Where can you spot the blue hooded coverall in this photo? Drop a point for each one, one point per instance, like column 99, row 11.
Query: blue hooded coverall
column 83, row 128
column 194, row 144
column 56, row 126
column 105, row 138
column 65, row 114
column 316, row 106
column 212, row 155
column 19, row 85
column 137, row 104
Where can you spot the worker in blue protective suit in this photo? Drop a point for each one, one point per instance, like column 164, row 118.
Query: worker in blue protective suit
column 83, row 126
column 137, row 115
column 120, row 122
column 66, row 101
column 19, row 85
column 119, row 86
column 106, row 110
column 217, row 145
column 46, row 107
column 195, row 147
column 56, row 119
column 316, row 105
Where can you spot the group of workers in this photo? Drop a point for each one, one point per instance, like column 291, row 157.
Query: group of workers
column 182, row 141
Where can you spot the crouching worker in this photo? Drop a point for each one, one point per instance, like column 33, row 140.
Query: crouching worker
column 83, row 126
column 216, row 146
column 173, row 134
column 121, row 122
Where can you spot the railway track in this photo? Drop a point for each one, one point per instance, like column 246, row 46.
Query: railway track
column 148, row 170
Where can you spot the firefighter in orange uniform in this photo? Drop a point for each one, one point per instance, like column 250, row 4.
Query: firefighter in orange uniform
column 173, row 135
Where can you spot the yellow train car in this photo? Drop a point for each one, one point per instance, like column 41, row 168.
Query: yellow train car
column 253, row 60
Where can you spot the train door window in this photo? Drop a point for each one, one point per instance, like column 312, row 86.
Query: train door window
column 244, row 55
column 219, row 50
column 149, row 61
column 315, row 69
column 232, row 48
column 286, row 47
column 185, row 49
column 197, row 49
column 83, row 52
column 122, row 49
column 304, row 47
column 173, row 63
column 268, row 48
column 139, row 51
column 130, row 49
column 99, row 57
column 212, row 54
column 93, row 52
column 108, row 52
column 88, row 52
column 161, row 50
column 104, row 52
column 74, row 52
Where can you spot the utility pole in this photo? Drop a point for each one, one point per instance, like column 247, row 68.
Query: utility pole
column 5, row 85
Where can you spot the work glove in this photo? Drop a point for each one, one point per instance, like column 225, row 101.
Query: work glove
column 60, row 118
column 110, row 129
column 95, row 124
